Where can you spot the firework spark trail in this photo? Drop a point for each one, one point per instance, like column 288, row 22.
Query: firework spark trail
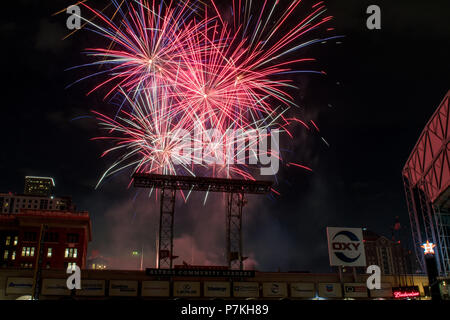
column 145, row 46
column 149, row 143
column 181, row 68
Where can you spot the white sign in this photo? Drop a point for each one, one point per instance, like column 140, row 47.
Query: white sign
column 246, row 289
column 55, row 287
column 19, row 285
column 274, row 289
column 346, row 247
column 216, row 289
column 186, row 289
column 91, row 288
column 355, row 290
column 155, row 288
column 330, row 290
column 302, row 290
column 123, row 288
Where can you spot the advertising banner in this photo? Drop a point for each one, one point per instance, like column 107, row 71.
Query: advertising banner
column 155, row 288
column 186, row 289
column 346, row 247
column 302, row 290
column 55, row 287
column 19, row 285
column 384, row 292
column 216, row 289
column 274, row 289
column 246, row 289
column 355, row 290
column 123, row 288
column 330, row 290
column 91, row 288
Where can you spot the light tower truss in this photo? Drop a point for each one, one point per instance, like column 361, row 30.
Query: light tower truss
column 426, row 177
column 235, row 189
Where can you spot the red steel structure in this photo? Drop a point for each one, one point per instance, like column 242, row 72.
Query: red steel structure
column 426, row 177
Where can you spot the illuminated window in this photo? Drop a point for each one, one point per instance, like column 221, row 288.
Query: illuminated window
column 13, row 256
column 71, row 265
column 5, row 254
column 28, row 252
column 8, row 240
column 71, row 253
column 49, row 252
column 26, row 265
column 16, row 240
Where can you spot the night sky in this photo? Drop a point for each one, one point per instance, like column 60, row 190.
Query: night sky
column 381, row 88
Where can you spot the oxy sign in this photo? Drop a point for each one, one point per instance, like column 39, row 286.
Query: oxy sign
column 346, row 247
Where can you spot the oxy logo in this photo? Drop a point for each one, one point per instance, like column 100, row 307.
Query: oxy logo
column 346, row 247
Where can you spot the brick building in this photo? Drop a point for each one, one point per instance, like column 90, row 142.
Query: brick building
column 65, row 240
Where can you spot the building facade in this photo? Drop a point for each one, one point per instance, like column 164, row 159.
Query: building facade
column 38, row 195
column 11, row 203
column 389, row 255
column 65, row 240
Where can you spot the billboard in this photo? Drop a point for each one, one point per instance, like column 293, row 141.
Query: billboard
column 216, row 289
column 246, row 289
column 19, row 285
column 274, row 289
column 355, row 290
column 200, row 272
column 330, row 290
column 123, row 288
column 186, row 289
column 346, row 247
column 302, row 290
column 384, row 292
column 155, row 288
column 55, row 287
column 91, row 288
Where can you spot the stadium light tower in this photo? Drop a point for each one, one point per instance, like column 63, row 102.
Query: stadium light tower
column 236, row 190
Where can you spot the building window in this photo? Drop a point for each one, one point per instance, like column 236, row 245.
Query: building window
column 28, row 252
column 49, row 252
column 72, row 237
column 29, row 236
column 13, row 256
column 8, row 240
column 71, row 265
column 5, row 255
column 16, row 240
column 51, row 237
column 70, row 253
column 26, row 265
